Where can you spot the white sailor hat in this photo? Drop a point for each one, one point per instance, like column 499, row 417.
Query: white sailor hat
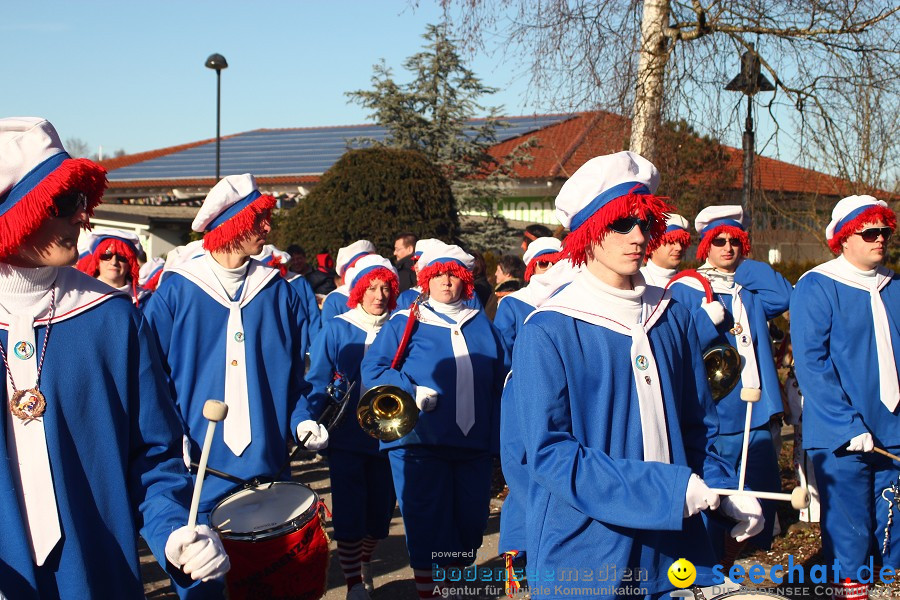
column 731, row 215
column 541, row 247
column 229, row 210
column 365, row 265
column 853, row 212
column 347, row 255
column 676, row 222
column 439, row 252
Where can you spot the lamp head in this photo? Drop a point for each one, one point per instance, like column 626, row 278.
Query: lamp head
column 217, row 62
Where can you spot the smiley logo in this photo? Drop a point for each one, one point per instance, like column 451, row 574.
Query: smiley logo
column 682, row 573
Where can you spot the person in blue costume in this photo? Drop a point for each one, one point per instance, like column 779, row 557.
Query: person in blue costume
column 513, row 308
column 230, row 328
column 278, row 259
column 609, row 396
column 113, row 259
column 662, row 264
column 91, row 451
column 453, row 366
column 407, row 297
column 362, row 490
column 335, row 302
column 845, row 328
column 748, row 294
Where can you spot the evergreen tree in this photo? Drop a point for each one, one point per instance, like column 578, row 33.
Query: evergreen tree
column 433, row 113
column 373, row 194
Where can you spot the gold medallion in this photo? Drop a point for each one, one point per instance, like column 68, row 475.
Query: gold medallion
column 737, row 329
column 27, row 405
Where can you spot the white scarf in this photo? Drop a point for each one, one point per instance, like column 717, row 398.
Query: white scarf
column 657, row 275
column 458, row 314
column 632, row 313
column 872, row 282
column 230, row 279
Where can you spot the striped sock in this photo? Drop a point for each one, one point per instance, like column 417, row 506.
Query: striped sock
column 350, row 555
column 368, row 548
column 424, row 583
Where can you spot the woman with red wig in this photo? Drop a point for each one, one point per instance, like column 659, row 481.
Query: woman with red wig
column 453, row 366
column 113, row 259
column 362, row 491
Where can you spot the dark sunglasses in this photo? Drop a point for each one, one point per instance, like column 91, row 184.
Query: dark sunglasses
column 720, row 242
column 626, row 224
column 70, row 203
column 543, row 264
column 110, row 256
column 871, row 234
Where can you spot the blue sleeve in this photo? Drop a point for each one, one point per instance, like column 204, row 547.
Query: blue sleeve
column 323, row 363
column 767, row 284
column 606, row 489
column 376, row 365
column 500, row 374
column 811, row 316
column 505, row 322
column 333, row 305
column 308, row 297
column 299, row 387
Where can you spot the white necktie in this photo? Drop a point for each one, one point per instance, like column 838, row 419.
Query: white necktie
column 27, row 444
column 884, row 348
column 237, row 423
column 744, row 340
column 465, row 381
column 646, row 379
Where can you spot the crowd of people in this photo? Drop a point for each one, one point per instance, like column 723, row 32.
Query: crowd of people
column 580, row 367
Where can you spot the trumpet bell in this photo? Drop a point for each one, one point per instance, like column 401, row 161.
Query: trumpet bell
column 723, row 370
column 387, row 413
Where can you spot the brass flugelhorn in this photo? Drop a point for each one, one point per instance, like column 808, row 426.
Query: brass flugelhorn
column 387, row 413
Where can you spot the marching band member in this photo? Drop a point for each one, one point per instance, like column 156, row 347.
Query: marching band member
column 845, row 327
column 275, row 258
column 113, row 259
column 610, row 398
column 407, row 297
column 93, row 453
column 663, row 262
column 229, row 327
column 362, row 491
column 335, row 302
column 515, row 307
column 453, row 367
column 748, row 294
column 150, row 272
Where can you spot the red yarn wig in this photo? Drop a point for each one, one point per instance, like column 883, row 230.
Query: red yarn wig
column 578, row 243
column 870, row 216
column 112, row 245
column 425, row 275
column 735, row 232
column 676, row 236
column 230, row 233
column 379, row 273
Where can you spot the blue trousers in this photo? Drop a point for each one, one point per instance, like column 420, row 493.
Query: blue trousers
column 444, row 495
column 362, row 495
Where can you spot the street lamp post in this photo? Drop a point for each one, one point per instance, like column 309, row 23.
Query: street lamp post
column 217, row 62
column 749, row 81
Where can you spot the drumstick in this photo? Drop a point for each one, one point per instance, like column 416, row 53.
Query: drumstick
column 748, row 395
column 799, row 497
column 214, row 411
column 884, row 452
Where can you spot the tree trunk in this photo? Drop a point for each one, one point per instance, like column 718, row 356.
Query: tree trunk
column 648, row 98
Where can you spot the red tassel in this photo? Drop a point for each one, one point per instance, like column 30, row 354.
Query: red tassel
column 870, row 216
column 735, row 232
column 578, row 243
column 425, row 275
column 27, row 215
column 550, row 258
column 152, row 283
column 356, row 294
column 237, row 227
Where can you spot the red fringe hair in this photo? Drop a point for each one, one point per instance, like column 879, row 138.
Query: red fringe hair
column 676, row 236
column 231, row 232
column 578, row 243
column 356, row 294
column 735, row 232
column 27, row 215
column 454, row 268
column 151, row 284
column 866, row 217
column 91, row 263
column 551, row 258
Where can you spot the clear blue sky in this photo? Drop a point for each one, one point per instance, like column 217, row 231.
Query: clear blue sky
column 128, row 74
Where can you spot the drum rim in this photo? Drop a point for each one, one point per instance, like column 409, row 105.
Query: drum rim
column 293, row 525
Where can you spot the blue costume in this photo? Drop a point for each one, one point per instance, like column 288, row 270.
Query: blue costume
column 836, row 362
column 313, row 315
column 335, row 303
column 114, row 444
column 764, row 294
column 362, row 489
column 188, row 316
column 599, row 514
column 441, row 474
column 511, row 314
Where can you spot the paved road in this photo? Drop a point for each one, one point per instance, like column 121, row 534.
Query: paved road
column 393, row 577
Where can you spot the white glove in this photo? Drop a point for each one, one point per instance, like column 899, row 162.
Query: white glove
column 861, row 443
column 747, row 512
column 426, row 398
column 714, row 310
column 318, row 435
column 698, row 497
column 198, row 552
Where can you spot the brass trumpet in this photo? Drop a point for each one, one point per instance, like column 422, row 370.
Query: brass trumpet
column 723, row 369
column 387, row 413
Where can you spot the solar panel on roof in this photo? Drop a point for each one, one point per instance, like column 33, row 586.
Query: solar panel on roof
column 282, row 152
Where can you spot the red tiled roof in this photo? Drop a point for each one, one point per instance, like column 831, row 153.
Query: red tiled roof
column 130, row 159
column 177, row 183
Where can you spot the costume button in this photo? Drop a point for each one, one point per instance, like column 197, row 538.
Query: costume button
column 239, row 337
column 456, row 332
column 234, row 363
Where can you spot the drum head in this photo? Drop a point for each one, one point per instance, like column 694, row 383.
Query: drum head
column 262, row 509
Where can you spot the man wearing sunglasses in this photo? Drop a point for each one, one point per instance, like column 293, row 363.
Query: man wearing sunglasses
column 91, row 444
column 662, row 263
column 748, row 294
column 845, row 328
column 608, row 407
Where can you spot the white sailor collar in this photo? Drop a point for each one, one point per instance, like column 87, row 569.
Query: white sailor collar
column 197, row 271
